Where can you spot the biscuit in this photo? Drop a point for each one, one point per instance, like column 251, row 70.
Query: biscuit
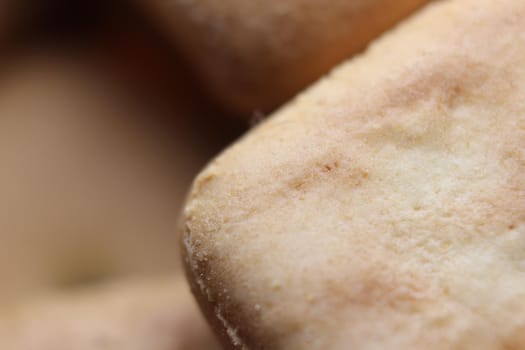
column 383, row 208
column 154, row 314
column 90, row 176
column 254, row 55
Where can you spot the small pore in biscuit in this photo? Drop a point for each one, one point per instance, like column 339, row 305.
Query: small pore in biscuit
column 330, row 166
column 319, row 171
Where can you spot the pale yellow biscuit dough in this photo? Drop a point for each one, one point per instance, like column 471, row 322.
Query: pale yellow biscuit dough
column 384, row 208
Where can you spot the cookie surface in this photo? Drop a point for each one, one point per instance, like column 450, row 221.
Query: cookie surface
column 255, row 55
column 384, row 208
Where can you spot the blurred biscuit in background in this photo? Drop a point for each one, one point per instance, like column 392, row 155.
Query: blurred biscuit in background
column 91, row 182
column 98, row 144
column 153, row 314
column 101, row 132
column 255, row 55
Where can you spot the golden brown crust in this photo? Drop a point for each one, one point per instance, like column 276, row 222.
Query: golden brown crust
column 255, row 55
column 384, row 208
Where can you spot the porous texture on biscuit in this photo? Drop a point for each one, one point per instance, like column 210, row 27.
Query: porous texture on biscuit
column 383, row 208
column 255, row 55
column 132, row 315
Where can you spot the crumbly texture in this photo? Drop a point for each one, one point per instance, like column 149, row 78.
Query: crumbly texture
column 133, row 315
column 384, row 208
column 255, row 55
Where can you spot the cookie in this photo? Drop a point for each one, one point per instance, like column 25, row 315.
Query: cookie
column 255, row 55
column 384, row 207
column 156, row 314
